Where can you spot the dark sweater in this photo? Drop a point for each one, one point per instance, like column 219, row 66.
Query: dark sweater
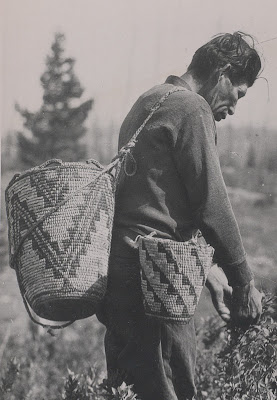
column 178, row 187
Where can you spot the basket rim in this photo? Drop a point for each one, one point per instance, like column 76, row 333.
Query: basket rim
column 189, row 242
column 66, row 165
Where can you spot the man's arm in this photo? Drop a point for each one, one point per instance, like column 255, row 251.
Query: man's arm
column 198, row 164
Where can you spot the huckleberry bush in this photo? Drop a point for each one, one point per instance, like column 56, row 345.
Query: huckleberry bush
column 240, row 364
column 233, row 363
column 86, row 387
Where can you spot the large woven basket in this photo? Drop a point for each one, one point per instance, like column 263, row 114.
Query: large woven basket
column 172, row 276
column 60, row 219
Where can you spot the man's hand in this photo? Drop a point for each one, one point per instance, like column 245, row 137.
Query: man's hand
column 246, row 304
column 221, row 292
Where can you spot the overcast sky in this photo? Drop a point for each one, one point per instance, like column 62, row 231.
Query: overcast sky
column 123, row 47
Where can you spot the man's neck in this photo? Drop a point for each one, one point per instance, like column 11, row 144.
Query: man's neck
column 192, row 82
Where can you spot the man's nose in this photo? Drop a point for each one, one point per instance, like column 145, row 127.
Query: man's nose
column 231, row 110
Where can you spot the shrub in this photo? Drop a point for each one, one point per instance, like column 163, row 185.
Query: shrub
column 239, row 364
column 87, row 387
column 44, row 359
column 232, row 363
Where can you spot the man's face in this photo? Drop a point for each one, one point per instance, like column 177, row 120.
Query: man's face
column 223, row 96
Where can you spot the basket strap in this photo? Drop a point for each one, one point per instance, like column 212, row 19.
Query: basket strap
column 125, row 152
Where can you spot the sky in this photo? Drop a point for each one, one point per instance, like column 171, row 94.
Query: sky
column 124, row 47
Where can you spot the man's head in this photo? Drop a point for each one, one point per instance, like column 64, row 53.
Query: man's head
column 226, row 67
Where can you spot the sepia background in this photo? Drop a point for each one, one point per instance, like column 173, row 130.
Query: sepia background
column 113, row 52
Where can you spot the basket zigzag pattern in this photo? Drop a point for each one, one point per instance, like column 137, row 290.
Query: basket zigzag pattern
column 172, row 277
column 66, row 255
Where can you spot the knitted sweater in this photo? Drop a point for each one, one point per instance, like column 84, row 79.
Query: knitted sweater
column 178, row 187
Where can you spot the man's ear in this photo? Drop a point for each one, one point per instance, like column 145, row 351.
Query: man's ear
column 225, row 70
column 220, row 73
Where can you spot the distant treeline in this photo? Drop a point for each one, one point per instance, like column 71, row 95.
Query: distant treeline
column 248, row 147
column 248, row 155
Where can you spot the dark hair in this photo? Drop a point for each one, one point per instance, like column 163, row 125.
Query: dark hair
column 227, row 49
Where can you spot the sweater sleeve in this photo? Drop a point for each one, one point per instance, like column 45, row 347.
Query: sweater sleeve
column 197, row 162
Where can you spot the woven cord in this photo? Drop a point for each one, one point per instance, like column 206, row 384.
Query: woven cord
column 133, row 140
column 125, row 151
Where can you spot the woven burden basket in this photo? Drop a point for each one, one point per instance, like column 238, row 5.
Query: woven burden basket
column 60, row 219
column 172, row 276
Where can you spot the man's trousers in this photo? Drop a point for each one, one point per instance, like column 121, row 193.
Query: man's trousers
column 156, row 356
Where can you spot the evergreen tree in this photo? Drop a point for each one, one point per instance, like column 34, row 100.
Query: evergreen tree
column 59, row 125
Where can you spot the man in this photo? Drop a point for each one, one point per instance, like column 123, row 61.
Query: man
column 175, row 189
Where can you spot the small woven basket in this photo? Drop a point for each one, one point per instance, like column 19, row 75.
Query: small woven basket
column 60, row 219
column 172, row 276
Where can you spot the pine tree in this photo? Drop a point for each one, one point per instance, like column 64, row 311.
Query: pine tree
column 58, row 126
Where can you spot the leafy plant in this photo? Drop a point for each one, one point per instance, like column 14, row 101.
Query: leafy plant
column 232, row 363
column 240, row 364
column 87, row 387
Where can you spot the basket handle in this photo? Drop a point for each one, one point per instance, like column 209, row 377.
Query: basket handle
column 49, row 162
column 94, row 162
column 31, row 314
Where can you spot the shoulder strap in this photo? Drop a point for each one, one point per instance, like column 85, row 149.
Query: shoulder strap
column 125, row 152
column 156, row 106
column 133, row 140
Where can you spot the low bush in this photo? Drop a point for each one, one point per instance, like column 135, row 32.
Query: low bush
column 236, row 363
column 232, row 364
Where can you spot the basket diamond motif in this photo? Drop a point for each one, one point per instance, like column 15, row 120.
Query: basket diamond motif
column 60, row 224
column 172, row 276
